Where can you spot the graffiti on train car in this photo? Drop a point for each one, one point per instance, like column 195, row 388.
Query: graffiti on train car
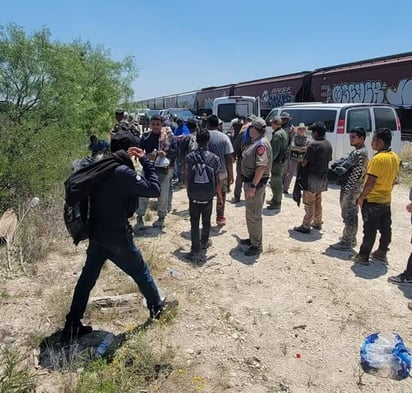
column 278, row 96
column 374, row 92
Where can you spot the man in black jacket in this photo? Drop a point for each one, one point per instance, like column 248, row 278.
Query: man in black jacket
column 111, row 236
column 315, row 164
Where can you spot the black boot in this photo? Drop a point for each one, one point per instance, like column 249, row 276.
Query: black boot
column 73, row 330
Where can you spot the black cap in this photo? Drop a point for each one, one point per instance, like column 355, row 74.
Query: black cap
column 122, row 140
column 285, row 115
column 119, row 111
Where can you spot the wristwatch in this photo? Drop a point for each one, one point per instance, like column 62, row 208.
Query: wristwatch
column 252, row 185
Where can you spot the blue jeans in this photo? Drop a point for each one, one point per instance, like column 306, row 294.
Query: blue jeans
column 121, row 250
column 163, row 200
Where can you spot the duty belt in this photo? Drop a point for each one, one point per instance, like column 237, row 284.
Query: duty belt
column 262, row 182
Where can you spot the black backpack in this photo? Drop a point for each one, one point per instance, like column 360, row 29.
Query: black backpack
column 202, row 179
column 77, row 219
column 80, row 186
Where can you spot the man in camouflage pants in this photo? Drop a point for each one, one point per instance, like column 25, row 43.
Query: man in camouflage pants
column 351, row 172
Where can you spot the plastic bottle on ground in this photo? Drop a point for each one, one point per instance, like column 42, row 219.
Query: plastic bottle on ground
column 385, row 355
column 174, row 273
column 104, row 345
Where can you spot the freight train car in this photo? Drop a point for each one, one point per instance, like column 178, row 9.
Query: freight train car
column 170, row 101
column 383, row 80
column 206, row 96
column 277, row 91
column 187, row 100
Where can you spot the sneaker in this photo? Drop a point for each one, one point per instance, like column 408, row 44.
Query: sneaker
column 191, row 256
column 343, row 246
column 235, row 200
column 206, row 245
column 160, row 223
column 273, row 206
column 400, row 279
column 252, row 250
column 74, row 330
column 361, row 259
column 139, row 225
column 245, row 242
column 221, row 220
column 302, row 229
column 380, row 255
column 200, row 259
column 286, row 192
column 317, row 226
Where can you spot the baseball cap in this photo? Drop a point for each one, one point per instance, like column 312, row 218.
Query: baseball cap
column 285, row 115
column 259, row 124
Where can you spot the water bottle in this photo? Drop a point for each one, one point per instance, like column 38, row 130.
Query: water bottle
column 104, row 345
column 386, row 356
column 174, row 273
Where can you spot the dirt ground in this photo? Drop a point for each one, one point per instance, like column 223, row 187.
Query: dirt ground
column 291, row 320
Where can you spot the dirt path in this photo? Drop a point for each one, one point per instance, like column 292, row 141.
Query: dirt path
column 291, row 321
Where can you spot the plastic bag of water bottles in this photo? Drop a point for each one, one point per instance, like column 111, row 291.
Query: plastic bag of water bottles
column 385, row 355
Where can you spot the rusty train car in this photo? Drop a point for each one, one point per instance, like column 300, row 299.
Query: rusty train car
column 380, row 80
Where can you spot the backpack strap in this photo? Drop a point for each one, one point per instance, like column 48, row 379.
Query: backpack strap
column 197, row 156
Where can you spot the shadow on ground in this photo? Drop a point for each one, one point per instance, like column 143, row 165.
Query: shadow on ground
column 406, row 290
column 374, row 270
column 56, row 354
column 339, row 254
column 305, row 237
column 238, row 253
column 214, row 231
column 70, row 355
column 149, row 231
column 183, row 256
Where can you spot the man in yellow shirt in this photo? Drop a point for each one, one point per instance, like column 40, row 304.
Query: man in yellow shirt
column 375, row 198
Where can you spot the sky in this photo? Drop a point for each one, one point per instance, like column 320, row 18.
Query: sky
column 186, row 45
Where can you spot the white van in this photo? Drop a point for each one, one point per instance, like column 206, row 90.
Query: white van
column 341, row 118
column 226, row 108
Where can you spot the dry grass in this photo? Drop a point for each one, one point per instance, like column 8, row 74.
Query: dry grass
column 146, row 362
column 405, row 174
column 57, row 303
column 40, row 230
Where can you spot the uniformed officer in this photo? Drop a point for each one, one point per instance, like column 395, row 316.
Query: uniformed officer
column 255, row 170
column 279, row 145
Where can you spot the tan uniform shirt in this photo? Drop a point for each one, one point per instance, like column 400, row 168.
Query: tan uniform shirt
column 258, row 153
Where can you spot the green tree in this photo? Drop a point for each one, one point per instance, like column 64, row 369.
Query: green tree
column 52, row 96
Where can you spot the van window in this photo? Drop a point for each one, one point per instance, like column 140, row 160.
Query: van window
column 309, row 116
column 272, row 114
column 385, row 118
column 359, row 118
column 226, row 112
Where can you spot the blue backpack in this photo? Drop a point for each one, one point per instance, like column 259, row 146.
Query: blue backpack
column 202, row 179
